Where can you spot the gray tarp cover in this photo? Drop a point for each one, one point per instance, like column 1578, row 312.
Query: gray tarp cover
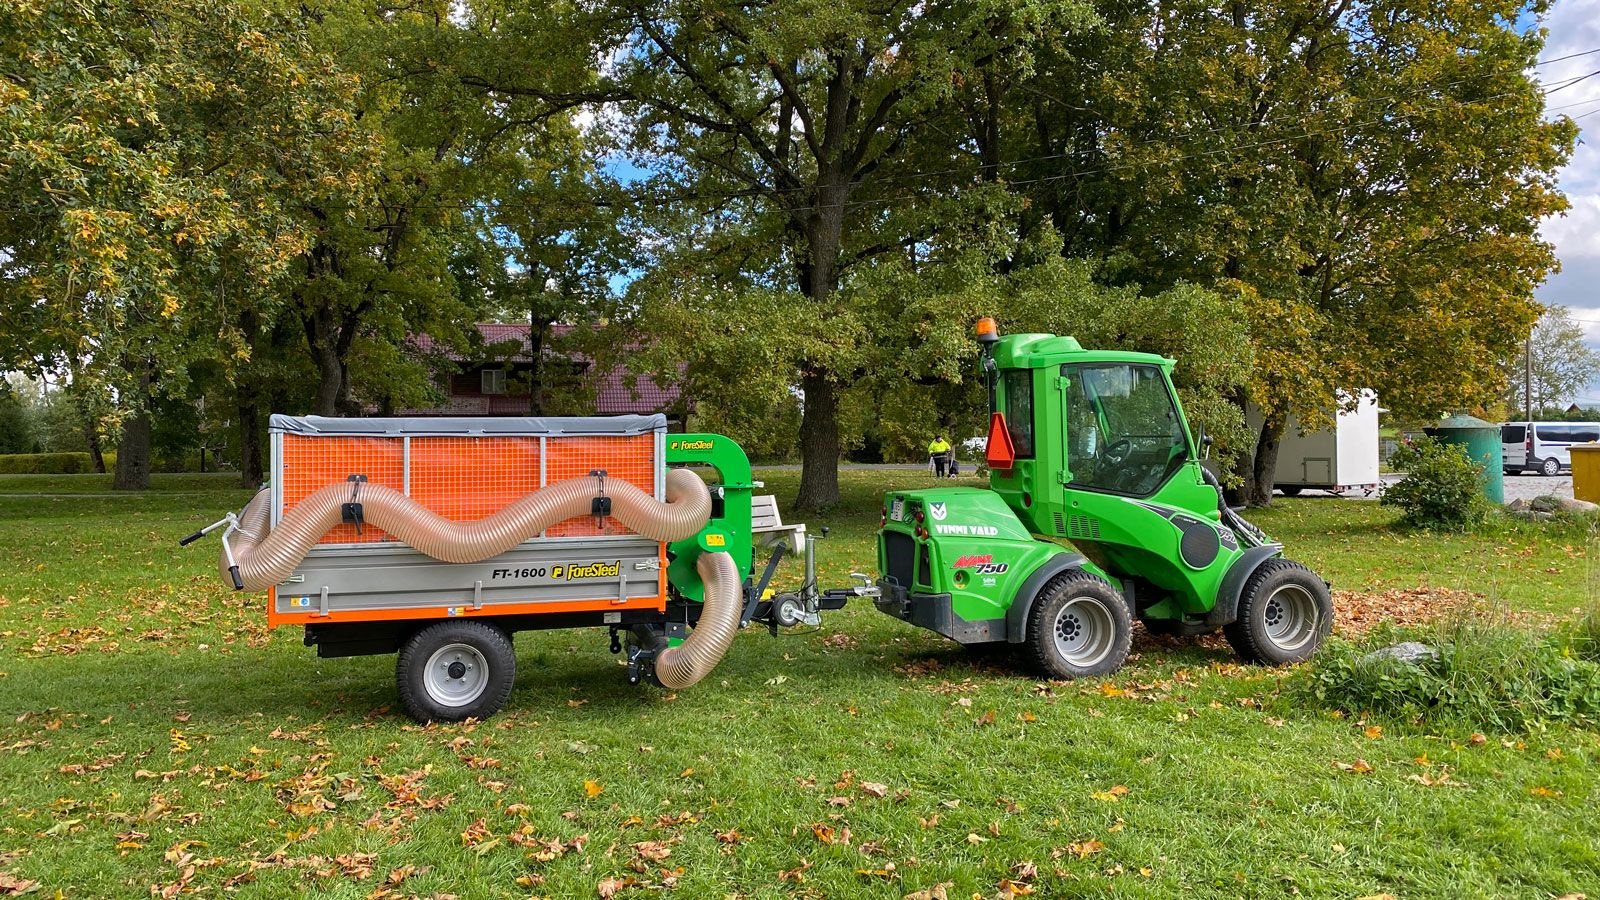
column 552, row 425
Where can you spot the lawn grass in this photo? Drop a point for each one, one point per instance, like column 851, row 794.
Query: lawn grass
column 153, row 734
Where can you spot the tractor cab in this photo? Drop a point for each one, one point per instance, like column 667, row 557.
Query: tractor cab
column 1090, row 455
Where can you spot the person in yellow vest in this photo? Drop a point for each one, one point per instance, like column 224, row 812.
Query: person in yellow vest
column 939, row 454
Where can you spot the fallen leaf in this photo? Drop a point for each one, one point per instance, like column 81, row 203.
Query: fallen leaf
column 1111, row 794
column 873, row 789
column 592, row 788
column 1085, row 849
column 1359, row 767
column 1009, row 888
column 12, row 885
column 1373, row 732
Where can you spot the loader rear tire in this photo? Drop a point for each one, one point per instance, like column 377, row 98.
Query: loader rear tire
column 1285, row 613
column 1079, row 627
column 456, row 669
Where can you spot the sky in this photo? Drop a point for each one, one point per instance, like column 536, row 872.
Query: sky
column 1574, row 27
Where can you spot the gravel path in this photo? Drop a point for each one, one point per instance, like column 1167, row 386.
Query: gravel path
column 1524, row 487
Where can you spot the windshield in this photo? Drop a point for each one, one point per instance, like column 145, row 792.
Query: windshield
column 1123, row 430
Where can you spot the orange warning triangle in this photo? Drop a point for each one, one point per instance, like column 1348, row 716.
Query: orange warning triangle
column 1000, row 453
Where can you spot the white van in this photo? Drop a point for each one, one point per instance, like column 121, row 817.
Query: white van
column 1543, row 447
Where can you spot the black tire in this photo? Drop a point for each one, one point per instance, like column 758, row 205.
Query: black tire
column 1175, row 628
column 1083, row 608
column 1550, row 467
column 1285, row 614
column 1292, row 490
column 457, row 648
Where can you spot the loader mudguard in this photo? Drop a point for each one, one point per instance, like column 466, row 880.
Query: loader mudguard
column 1022, row 604
column 1226, row 609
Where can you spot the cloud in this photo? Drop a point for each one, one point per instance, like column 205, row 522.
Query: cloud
column 1574, row 28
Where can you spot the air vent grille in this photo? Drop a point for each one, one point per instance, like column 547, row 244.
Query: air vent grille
column 1083, row 527
column 1061, row 526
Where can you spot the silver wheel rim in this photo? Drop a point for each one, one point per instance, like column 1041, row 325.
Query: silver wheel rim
column 1290, row 617
column 456, row 674
column 1084, row 632
column 1551, row 467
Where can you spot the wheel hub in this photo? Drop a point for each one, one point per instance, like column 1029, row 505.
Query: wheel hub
column 1084, row 632
column 455, row 675
column 1291, row 617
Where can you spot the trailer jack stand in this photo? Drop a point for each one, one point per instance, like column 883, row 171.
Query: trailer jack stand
column 232, row 522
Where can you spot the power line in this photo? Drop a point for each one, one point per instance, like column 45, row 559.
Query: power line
column 1546, row 62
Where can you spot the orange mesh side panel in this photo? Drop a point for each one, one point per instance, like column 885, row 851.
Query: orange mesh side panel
column 631, row 458
column 310, row 463
column 467, row 478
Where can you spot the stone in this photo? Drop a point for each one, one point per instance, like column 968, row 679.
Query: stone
column 1571, row 505
column 1408, row 652
column 1517, row 505
column 1545, row 503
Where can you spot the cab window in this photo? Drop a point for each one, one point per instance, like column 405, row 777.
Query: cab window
column 1123, row 431
column 1018, row 384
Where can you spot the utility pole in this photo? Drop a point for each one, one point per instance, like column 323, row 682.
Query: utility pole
column 1527, row 378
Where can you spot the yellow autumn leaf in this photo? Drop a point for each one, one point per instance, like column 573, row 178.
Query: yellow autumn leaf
column 592, row 788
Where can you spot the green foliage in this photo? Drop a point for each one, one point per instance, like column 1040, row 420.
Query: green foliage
column 18, row 426
column 1562, row 365
column 1585, row 633
column 49, row 463
column 1443, row 487
column 1491, row 673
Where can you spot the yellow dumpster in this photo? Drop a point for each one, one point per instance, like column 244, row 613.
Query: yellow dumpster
column 1586, row 472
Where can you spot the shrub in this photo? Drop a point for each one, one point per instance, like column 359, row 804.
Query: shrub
column 1443, row 487
column 1490, row 674
column 46, row 463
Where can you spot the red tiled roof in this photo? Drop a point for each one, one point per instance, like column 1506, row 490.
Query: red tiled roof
column 619, row 391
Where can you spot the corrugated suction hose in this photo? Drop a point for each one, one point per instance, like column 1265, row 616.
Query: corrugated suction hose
column 266, row 556
column 692, row 660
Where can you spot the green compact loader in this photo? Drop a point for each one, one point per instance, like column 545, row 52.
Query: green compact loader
column 1099, row 512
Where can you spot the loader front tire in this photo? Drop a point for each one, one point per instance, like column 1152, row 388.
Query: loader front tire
column 1079, row 627
column 1285, row 613
column 456, row 669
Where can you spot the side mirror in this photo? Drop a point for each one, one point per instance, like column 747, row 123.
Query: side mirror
column 1205, row 444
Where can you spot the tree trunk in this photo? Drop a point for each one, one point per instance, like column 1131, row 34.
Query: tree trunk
column 133, row 454
column 819, row 444
column 251, row 469
column 133, row 451
column 330, row 340
column 819, row 421
column 91, row 435
column 536, row 329
column 1266, row 460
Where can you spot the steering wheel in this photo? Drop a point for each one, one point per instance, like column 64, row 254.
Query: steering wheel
column 1117, row 453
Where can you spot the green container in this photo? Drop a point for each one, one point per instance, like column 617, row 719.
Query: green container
column 1481, row 440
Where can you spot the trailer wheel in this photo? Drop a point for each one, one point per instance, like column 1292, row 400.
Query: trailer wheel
column 1285, row 613
column 1079, row 627
column 455, row 670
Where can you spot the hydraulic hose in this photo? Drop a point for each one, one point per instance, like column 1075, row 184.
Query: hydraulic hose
column 266, row 556
column 692, row 660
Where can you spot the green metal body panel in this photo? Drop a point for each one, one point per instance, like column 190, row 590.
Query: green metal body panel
column 731, row 530
column 976, row 550
column 1159, row 536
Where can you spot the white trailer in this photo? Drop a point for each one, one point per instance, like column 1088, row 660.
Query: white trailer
column 1337, row 460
